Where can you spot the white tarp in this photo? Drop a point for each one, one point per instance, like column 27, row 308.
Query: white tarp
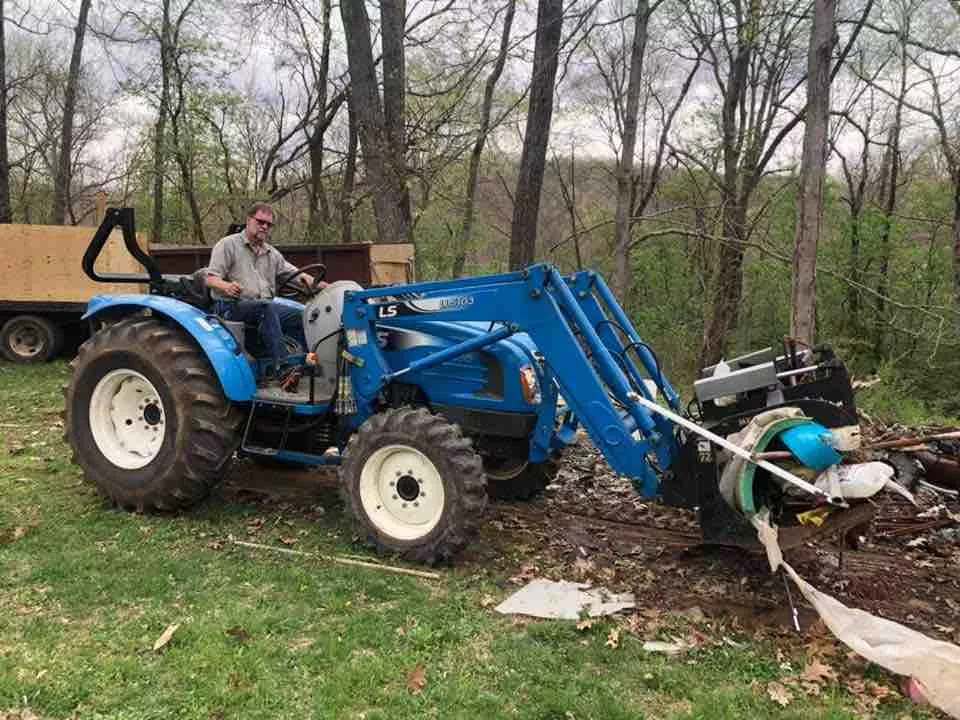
column 563, row 600
column 934, row 664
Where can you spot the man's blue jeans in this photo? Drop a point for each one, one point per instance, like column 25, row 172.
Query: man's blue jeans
column 272, row 320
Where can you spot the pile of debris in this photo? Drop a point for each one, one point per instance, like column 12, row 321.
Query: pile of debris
column 902, row 485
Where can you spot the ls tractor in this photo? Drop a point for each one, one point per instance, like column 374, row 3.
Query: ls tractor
column 429, row 396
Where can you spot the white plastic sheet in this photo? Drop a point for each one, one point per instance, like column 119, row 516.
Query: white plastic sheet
column 861, row 480
column 934, row 664
column 563, row 600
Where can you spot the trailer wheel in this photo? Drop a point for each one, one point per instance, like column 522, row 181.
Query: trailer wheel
column 413, row 484
column 29, row 338
column 146, row 416
column 518, row 479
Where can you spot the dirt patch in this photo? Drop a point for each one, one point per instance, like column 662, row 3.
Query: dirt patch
column 591, row 526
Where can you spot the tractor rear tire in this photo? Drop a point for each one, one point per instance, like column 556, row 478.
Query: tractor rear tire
column 30, row 339
column 524, row 482
column 413, row 484
column 146, row 416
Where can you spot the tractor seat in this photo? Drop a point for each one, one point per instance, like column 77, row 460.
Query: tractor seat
column 195, row 290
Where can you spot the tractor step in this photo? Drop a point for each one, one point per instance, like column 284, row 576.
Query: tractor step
column 299, row 395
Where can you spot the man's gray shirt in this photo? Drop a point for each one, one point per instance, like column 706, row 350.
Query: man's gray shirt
column 234, row 260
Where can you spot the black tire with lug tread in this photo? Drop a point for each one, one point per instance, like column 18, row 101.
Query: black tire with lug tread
column 30, row 338
column 520, row 484
column 199, row 429
column 413, row 484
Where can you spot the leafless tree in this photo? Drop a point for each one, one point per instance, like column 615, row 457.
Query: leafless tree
column 643, row 86
column 812, row 171
column 523, row 229
column 856, row 119
column 380, row 120
column 755, row 57
column 5, row 211
column 61, row 179
column 473, row 172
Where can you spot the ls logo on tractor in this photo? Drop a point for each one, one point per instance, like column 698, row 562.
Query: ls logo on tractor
column 429, row 305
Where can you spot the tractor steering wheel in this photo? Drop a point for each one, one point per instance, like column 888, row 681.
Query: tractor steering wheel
column 285, row 287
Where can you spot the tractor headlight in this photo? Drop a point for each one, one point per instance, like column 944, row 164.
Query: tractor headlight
column 530, row 385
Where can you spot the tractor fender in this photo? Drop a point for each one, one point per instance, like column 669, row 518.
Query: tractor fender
column 218, row 344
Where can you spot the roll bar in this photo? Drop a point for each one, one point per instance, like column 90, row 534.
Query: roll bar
column 124, row 219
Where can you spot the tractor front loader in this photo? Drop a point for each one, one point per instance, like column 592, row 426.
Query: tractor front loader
column 428, row 396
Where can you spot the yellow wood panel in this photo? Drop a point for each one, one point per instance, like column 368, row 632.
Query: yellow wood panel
column 41, row 263
column 391, row 263
column 391, row 252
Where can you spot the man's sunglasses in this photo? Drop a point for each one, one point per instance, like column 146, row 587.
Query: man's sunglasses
column 264, row 223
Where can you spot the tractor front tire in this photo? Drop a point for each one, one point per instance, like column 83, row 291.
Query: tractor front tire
column 146, row 416
column 413, row 484
column 520, row 480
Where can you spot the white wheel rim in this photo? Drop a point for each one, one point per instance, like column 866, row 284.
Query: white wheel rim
column 127, row 419
column 401, row 492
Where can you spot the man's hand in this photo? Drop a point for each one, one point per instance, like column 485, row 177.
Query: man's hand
column 310, row 284
column 233, row 289
column 227, row 287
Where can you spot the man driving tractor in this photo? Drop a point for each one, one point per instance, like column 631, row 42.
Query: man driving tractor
column 243, row 276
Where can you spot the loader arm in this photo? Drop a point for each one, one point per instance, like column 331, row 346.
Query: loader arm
column 592, row 350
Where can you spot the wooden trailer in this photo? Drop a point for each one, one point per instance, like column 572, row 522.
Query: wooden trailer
column 43, row 289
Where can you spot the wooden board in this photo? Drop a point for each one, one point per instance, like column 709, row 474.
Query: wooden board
column 41, row 263
column 391, row 264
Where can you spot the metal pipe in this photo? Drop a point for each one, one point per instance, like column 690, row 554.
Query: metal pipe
column 452, row 352
column 798, row 371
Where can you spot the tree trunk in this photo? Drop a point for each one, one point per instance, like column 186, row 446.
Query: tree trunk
column 523, row 230
column 853, row 292
column 160, row 127
column 813, row 166
column 386, row 181
column 956, row 248
column 349, row 175
column 185, row 165
column 318, row 225
column 891, row 185
column 473, row 173
column 726, row 287
column 182, row 154
column 61, row 180
column 5, row 213
column 857, row 190
column 625, row 179
column 393, row 19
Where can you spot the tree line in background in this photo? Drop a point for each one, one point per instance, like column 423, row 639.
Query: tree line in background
column 738, row 170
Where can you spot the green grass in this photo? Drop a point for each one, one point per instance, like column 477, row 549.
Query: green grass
column 85, row 591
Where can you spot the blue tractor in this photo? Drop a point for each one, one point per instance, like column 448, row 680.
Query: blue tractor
column 428, row 396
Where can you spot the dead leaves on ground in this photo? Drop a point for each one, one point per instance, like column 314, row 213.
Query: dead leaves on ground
column 238, row 634
column 779, row 694
column 11, row 535
column 417, row 679
column 165, row 637
column 24, row 714
column 817, row 675
column 818, row 672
